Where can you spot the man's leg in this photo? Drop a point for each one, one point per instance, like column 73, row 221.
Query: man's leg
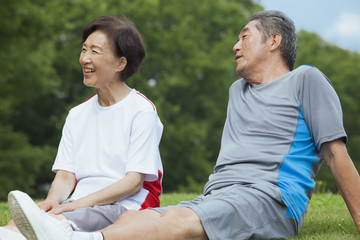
column 175, row 223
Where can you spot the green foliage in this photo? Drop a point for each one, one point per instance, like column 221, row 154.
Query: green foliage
column 170, row 199
column 189, row 62
column 328, row 218
column 26, row 63
column 5, row 215
column 189, row 58
column 21, row 164
column 28, row 103
column 189, row 55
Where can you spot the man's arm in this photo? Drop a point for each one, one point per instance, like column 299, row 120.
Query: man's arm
column 346, row 176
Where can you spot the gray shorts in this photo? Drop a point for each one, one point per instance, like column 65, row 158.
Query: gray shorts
column 94, row 218
column 241, row 212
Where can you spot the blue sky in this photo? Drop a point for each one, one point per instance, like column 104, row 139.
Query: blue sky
column 336, row 21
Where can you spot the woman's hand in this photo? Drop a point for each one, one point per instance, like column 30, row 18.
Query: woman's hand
column 61, row 187
column 67, row 207
column 47, row 205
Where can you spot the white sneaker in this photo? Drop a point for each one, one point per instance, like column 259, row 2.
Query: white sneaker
column 33, row 222
column 6, row 234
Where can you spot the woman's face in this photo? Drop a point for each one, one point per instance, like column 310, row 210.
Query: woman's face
column 99, row 63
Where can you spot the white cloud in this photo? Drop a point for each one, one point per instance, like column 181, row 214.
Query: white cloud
column 345, row 31
column 348, row 24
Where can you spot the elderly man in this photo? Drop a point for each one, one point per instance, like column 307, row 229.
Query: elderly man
column 280, row 124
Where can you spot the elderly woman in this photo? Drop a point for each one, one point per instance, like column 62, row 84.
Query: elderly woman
column 108, row 156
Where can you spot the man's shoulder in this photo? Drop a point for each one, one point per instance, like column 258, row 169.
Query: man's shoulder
column 311, row 74
column 306, row 69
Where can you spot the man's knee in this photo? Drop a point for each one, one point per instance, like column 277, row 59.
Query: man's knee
column 136, row 216
column 176, row 213
column 184, row 222
column 129, row 213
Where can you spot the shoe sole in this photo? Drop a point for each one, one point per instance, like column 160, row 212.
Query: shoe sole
column 20, row 216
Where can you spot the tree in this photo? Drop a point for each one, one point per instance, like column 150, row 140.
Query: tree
column 189, row 58
column 187, row 72
column 27, row 79
column 20, row 163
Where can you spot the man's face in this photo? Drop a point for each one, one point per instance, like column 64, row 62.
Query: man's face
column 250, row 50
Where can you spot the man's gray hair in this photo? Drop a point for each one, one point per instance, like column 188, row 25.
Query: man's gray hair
column 276, row 22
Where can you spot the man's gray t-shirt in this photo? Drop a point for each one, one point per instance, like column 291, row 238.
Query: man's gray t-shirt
column 273, row 134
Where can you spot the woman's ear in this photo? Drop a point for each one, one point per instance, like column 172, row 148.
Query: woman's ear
column 275, row 41
column 122, row 62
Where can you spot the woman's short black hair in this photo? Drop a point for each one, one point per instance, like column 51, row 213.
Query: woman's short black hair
column 125, row 38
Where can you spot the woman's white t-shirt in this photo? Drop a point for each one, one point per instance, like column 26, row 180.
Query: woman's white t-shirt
column 101, row 144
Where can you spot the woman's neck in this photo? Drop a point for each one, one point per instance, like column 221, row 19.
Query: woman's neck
column 113, row 94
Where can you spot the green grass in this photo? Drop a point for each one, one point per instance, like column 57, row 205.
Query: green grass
column 327, row 218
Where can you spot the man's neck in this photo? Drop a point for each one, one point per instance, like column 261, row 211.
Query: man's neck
column 268, row 73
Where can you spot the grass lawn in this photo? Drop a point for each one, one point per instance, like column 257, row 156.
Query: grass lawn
column 327, row 218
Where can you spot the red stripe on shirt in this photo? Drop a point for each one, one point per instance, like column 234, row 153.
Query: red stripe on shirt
column 86, row 100
column 146, row 100
column 155, row 189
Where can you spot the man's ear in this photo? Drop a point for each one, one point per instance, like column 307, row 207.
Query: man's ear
column 275, row 41
column 122, row 62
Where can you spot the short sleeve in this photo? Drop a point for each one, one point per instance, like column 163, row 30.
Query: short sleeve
column 144, row 155
column 321, row 107
column 65, row 158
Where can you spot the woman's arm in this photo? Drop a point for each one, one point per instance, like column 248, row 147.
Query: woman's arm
column 129, row 185
column 61, row 187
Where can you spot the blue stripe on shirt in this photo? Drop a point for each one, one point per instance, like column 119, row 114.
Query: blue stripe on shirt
column 295, row 172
